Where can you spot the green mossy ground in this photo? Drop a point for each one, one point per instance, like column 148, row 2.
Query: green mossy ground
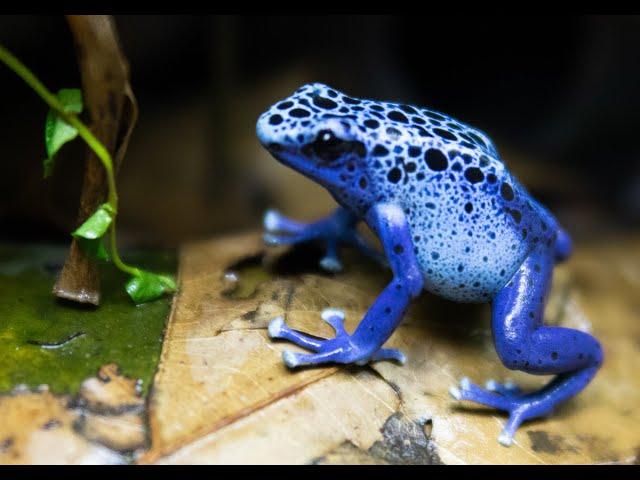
column 44, row 340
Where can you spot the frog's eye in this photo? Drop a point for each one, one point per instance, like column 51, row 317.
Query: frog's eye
column 329, row 147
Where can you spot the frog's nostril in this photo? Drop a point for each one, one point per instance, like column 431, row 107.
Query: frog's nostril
column 275, row 147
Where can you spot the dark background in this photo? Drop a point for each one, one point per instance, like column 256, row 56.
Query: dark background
column 560, row 96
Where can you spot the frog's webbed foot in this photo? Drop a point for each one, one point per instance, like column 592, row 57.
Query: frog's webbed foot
column 364, row 345
column 505, row 397
column 338, row 228
column 340, row 349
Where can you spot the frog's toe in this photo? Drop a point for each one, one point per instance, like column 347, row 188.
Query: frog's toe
column 508, row 388
column 279, row 329
column 467, row 390
column 274, row 221
column 335, row 318
column 272, row 240
column 271, row 220
column 454, row 392
column 389, row 354
column 324, row 355
column 290, row 359
column 331, row 264
column 492, row 385
column 505, row 439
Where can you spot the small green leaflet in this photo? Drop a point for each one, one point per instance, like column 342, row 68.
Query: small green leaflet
column 90, row 233
column 57, row 132
column 94, row 248
column 148, row 286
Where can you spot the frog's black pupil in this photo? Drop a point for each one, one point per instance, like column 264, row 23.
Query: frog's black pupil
column 328, row 138
column 327, row 146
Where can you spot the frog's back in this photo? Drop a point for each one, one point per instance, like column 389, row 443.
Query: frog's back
column 472, row 222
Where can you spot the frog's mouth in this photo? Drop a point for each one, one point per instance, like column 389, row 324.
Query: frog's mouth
column 274, row 148
column 292, row 158
column 281, row 153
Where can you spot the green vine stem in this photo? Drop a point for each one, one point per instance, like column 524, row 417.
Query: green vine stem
column 83, row 131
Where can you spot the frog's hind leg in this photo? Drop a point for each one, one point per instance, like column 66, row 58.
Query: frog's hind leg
column 524, row 343
column 563, row 247
column 337, row 228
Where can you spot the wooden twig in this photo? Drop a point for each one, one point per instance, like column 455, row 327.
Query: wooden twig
column 113, row 111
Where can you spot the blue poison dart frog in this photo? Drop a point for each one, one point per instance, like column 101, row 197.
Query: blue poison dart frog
column 451, row 219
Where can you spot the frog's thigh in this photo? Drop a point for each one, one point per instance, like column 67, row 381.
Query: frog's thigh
column 522, row 341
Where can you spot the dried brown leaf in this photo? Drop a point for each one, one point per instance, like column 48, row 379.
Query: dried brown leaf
column 222, row 394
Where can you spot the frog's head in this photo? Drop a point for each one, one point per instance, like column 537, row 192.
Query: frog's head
column 314, row 132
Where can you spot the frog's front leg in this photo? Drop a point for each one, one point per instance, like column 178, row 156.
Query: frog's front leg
column 337, row 228
column 524, row 343
column 364, row 345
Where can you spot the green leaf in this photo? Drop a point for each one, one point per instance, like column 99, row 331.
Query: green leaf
column 97, row 224
column 94, row 248
column 90, row 233
column 148, row 286
column 71, row 99
column 57, row 132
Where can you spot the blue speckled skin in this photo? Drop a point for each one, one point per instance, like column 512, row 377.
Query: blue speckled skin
column 452, row 220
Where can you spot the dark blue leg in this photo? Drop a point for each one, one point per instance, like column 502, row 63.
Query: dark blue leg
column 337, row 228
column 363, row 346
column 524, row 343
column 563, row 247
